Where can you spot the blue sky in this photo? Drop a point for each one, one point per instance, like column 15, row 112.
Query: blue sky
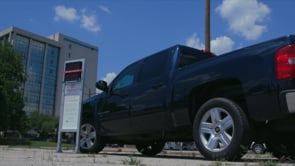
column 128, row 30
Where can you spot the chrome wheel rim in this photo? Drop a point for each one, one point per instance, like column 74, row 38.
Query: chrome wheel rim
column 87, row 136
column 216, row 129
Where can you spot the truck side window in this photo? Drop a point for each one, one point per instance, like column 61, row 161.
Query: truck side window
column 154, row 66
column 124, row 82
column 127, row 77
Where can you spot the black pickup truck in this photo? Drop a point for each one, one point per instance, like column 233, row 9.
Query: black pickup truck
column 222, row 103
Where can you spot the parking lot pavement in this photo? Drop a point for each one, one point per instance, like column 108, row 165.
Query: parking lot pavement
column 49, row 157
column 12, row 156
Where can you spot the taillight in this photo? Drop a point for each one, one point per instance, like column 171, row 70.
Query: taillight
column 285, row 62
column 208, row 52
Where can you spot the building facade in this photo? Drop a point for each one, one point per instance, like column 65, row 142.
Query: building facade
column 43, row 60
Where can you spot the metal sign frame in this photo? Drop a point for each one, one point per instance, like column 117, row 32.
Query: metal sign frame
column 71, row 101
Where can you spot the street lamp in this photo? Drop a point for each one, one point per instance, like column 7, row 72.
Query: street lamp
column 207, row 26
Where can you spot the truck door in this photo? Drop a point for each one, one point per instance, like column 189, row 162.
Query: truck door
column 149, row 95
column 115, row 115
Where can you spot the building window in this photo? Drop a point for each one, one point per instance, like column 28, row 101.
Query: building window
column 50, row 81
column 21, row 45
column 34, row 79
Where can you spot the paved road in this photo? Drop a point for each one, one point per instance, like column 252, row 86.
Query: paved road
column 12, row 156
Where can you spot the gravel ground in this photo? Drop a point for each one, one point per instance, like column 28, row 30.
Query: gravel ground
column 13, row 156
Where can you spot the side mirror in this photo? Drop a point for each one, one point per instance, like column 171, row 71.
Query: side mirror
column 102, row 85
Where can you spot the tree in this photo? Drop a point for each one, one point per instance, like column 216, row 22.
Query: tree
column 44, row 124
column 12, row 77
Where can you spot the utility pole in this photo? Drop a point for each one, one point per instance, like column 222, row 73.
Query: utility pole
column 207, row 26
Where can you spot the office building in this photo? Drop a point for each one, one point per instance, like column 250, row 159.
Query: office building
column 43, row 60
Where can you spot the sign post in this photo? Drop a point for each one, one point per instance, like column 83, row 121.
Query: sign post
column 71, row 101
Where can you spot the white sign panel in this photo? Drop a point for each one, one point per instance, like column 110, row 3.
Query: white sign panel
column 71, row 112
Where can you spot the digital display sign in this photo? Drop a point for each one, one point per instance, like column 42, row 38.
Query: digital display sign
column 73, row 71
column 73, row 66
column 73, row 76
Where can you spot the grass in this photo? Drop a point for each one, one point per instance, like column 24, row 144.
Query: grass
column 268, row 163
column 48, row 144
column 32, row 144
column 218, row 163
column 132, row 161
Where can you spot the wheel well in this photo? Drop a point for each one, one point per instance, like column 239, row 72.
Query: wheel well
column 228, row 88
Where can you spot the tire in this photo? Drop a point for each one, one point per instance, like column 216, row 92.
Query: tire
column 258, row 148
column 221, row 130
column 90, row 140
column 150, row 149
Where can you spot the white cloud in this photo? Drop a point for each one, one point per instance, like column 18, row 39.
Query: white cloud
column 222, row 45
column 64, row 13
column 105, row 9
column 89, row 23
column 195, row 42
column 219, row 45
column 245, row 17
column 109, row 77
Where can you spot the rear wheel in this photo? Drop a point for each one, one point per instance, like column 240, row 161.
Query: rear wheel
column 221, row 130
column 150, row 148
column 258, row 148
column 90, row 140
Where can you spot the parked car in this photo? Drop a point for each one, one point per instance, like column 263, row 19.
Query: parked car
column 189, row 146
column 173, row 146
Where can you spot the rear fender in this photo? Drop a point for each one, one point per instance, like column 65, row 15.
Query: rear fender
column 227, row 88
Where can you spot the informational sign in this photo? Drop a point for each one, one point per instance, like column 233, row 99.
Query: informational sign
column 71, row 101
column 71, row 105
column 71, row 112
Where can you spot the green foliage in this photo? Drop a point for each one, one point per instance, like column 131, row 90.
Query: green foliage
column 42, row 123
column 11, row 98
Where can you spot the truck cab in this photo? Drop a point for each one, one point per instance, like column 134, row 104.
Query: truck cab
column 136, row 107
